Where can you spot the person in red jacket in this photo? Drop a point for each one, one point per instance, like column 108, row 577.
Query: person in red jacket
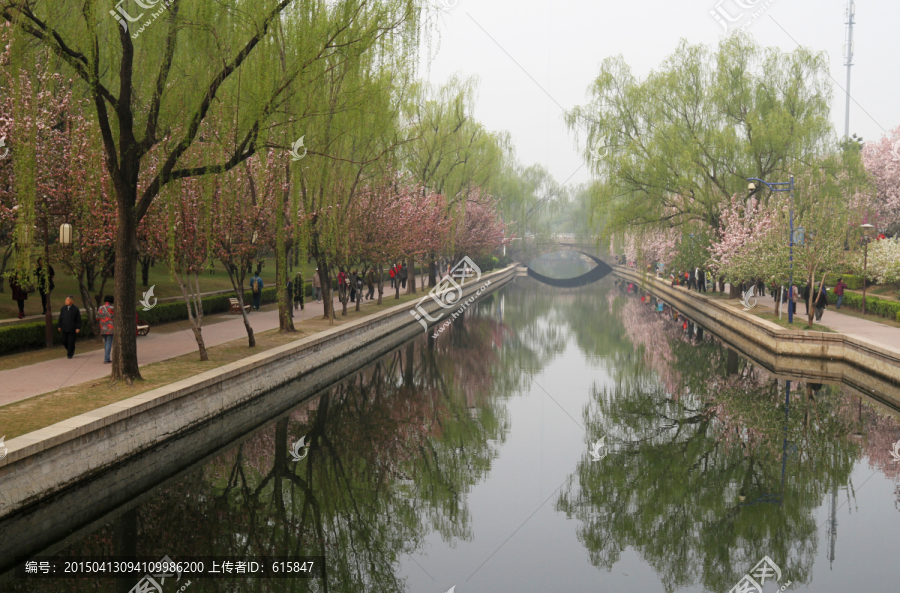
column 393, row 273
column 839, row 291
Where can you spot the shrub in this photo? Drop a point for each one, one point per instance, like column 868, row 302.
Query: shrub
column 30, row 336
column 852, row 282
column 874, row 305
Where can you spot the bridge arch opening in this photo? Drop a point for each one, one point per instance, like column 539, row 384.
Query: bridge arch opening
column 599, row 271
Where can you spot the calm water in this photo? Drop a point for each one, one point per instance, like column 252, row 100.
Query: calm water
column 466, row 461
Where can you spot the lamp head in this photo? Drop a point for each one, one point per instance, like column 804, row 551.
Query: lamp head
column 868, row 230
column 752, row 186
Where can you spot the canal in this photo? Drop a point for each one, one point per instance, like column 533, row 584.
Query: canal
column 550, row 440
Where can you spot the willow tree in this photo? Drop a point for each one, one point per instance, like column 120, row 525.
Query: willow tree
column 154, row 77
column 452, row 154
column 673, row 148
column 352, row 137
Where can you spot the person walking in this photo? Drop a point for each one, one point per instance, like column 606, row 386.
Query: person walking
column 760, row 287
column 701, row 279
column 370, row 284
column 404, row 275
column 317, row 286
column 795, row 294
column 105, row 319
column 69, row 325
column 44, row 282
column 354, row 280
column 393, row 272
column 806, row 299
column 298, row 292
column 821, row 302
column 19, row 294
column 692, row 280
column 839, row 291
column 256, row 286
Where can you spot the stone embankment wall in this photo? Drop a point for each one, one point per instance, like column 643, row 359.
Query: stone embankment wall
column 816, row 356
column 89, row 447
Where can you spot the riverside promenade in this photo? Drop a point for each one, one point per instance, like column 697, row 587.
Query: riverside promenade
column 162, row 343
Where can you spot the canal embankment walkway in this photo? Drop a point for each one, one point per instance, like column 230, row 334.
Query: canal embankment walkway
column 864, row 356
column 833, row 319
column 175, row 339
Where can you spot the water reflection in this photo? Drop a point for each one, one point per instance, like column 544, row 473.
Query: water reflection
column 708, row 469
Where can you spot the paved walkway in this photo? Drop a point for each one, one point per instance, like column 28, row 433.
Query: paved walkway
column 878, row 333
column 833, row 319
column 43, row 377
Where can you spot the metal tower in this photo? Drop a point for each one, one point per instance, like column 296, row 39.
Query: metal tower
column 849, row 19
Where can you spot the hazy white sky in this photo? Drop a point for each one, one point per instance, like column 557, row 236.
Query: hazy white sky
column 560, row 45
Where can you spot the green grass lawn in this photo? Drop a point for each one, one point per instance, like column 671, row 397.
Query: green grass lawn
column 165, row 286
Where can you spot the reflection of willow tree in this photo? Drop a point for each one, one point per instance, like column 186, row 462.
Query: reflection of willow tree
column 536, row 315
column 393, row 452
column 694, row 478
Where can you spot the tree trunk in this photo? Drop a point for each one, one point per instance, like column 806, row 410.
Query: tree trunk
column 238, row 285
column 91, row 276
column 721, row 284
column 411, row 266
column 125, row 362
column 380, row 283
column 146, row 260
column 194, row 309
column 432, row 272
column 285, row 320
column 6, row 255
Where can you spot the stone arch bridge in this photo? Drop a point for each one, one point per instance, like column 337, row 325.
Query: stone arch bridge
column 587, row 247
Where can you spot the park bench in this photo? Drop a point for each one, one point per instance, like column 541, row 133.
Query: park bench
column 236, row 306
column 143, row 328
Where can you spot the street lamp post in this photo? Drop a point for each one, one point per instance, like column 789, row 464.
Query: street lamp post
column 868, row 233
column 65, row 238
column 789, row 187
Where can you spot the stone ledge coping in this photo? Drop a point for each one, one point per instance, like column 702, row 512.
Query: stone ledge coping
column 42, row 439
column 774, row 331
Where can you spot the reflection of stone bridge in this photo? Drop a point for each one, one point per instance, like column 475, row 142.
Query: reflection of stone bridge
column 542, row 246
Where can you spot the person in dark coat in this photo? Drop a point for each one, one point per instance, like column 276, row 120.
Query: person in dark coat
column 806, row 298
column 19, row 294
column 370, row 283
column 45, row 282
column 69, row 325
column 298, row 291
column 821, row 302
column 354, row 281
